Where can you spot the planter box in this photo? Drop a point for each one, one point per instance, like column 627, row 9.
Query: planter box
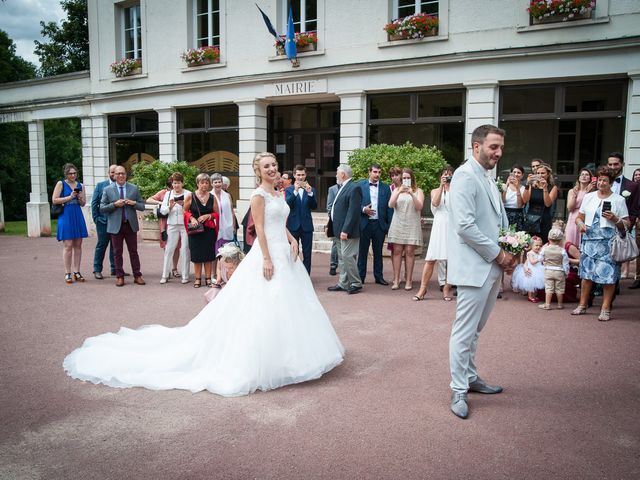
column 206, row 61
column 135, row 71
column 311, row 47
column 429, row 33
column 561, row 18
column 149, row 230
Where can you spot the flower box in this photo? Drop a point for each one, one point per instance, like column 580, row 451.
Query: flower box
column 305, row 42
column 196, row 57
column 127, row 67
column 544, row 11
column 415, row 26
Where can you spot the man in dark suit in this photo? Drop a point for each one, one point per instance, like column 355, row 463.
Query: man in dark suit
column 120, row 202
column 628, row 189
column 100, row 220
column 333, row 263
column 301, row 198
column 375, row 220
column 345, row 225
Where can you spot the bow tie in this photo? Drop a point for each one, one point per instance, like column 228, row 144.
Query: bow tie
column 617, row 180
column 373, row 184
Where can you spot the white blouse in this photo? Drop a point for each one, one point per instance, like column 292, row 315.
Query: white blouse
column 592, row 205
column 176, row 214
column 511, row 197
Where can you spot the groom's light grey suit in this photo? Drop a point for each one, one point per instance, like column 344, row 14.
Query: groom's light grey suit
column 477, row 214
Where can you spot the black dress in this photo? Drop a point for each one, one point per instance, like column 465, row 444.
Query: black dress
column 537, row 207
column 202, row 245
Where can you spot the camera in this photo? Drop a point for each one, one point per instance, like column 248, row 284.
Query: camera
column 448, row 178
column 178, row 199
column 406, row 182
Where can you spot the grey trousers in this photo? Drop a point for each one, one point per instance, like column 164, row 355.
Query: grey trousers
column 348, row 263
column 473, row 308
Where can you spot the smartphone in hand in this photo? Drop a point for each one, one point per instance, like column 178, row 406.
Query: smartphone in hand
column 606, row 206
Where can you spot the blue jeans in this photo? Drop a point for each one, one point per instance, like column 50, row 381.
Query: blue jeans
column 104, row 241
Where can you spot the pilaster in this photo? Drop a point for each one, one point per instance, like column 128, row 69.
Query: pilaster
column 38, row 213
column 353, row 122
column 167, row 134
column 481, row 108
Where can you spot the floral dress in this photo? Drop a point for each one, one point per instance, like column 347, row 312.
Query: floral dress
column 596, row 263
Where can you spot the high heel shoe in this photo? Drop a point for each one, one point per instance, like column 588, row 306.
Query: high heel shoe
column 408, row 286
column 418, row 298
column 78, row 277
column 68, row 279
column 395, row 286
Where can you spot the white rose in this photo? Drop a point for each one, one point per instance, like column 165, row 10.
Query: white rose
column 626, row 194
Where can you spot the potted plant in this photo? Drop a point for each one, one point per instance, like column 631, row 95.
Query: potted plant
column 551, row 11
column 305, row 42
column 194, row 57
column 419, row 25
column 126, row 67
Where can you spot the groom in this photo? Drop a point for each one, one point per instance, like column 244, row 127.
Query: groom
column 476, row 262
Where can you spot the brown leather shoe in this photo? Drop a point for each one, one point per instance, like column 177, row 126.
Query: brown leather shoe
column 119, row 281
column 139, row 280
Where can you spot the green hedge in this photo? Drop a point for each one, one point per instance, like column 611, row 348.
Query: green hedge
column 152, row 177
column 425, row 161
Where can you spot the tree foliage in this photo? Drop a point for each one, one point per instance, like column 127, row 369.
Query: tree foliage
column 12, row 66
column 62, row 144
column 152, row 177
column 14, row 169
column 67, row 49
column 425, row 161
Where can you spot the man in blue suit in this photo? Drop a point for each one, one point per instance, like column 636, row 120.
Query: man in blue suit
column 375, row 219
column 100, row 220
column 301, row 198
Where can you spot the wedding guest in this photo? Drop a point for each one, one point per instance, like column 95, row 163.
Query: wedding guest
column 120, row 202
column 602, row 213
column 556, row 269
column 333, row 259
column 302, row 199
column 162, row 222
column 540, row 195
column 201, row 207
column 405, row 231
column 229, row 257
column 636, row 281
column 226, row 183
column 287, row 179
column 572, row 280
column 100, row 221
column 173, row 207
column 395, row 174
column 575, row 196
column 529, row 276
column 228, row 224
column 512, row 197
column 437, row 250
column 71, row 225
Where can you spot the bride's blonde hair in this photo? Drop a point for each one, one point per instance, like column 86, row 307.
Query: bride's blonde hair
column 256, row 163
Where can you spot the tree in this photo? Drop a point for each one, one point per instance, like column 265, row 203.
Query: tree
column 68, row 47
column 13, row 67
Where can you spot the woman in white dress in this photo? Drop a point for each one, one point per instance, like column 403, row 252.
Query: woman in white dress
column 238, row 343
column 437, row 250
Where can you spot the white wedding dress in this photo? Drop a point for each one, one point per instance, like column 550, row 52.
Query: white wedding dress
column 248, row 338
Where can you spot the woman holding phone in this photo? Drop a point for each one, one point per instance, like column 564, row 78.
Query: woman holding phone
column 405, row 231
column 602, row 214
column 71, row 225
column 173, row 207
column 583, row 185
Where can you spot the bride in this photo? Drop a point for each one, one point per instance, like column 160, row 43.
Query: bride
column 240, row 342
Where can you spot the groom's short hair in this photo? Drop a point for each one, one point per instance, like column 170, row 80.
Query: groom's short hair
column 481, row 132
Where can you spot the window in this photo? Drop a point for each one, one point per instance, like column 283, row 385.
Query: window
column 132, row 32
column 133, row 137
column 404, row 8
column 305, row 15
column 207, row 23
column 422, row 118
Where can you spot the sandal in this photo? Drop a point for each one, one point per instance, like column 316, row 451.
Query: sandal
column 605, row 315
column 207, row 282
column 197, row 283
column 175, row 273
column 395, row 286
column 408, row 286
column 579, row 310
column 418, row 298
column 78, row 277
column 68, row 279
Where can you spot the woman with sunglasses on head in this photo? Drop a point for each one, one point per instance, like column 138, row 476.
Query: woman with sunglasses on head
column 71, row 225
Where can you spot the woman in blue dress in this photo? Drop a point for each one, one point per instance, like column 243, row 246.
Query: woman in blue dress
column 71, row 225
column 602, row 213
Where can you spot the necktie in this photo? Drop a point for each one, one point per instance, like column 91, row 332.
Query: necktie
column 124, row 209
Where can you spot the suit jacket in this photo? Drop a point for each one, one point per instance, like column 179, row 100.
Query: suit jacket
column 384, row 212
column 346, row 210
column 96, row 214
column 474, row 224
column 633, row 200
column 300, row 214
column 110, row 195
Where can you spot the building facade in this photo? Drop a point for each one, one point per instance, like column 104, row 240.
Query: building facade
column 567, row 91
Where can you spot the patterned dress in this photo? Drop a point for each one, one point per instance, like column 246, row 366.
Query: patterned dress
column 405, row 226
column 596, row 263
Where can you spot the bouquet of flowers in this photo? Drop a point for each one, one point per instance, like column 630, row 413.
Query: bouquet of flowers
column 125, row 66
column 414, row 26
column 512, row 241
column 500, row 184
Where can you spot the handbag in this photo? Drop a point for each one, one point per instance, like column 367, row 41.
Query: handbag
column 623, row 247
column 163, row 215
column 195, row 229
column 164, row 236
column 56, row 209
column 532, row 223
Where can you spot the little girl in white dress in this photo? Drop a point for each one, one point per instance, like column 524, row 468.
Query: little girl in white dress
column 529, row 276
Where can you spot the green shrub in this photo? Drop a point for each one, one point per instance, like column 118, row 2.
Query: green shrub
column 152, row 177
column 425, row 161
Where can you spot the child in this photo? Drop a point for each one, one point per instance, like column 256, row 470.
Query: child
column 529, row 277
column 229, row 257
column 556, row 268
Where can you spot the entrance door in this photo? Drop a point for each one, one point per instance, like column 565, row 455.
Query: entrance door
column 308, row 135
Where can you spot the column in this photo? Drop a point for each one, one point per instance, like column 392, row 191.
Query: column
column 353, row 119
column 482, row 108
column 252, row 134
column 632, row 134
column 38, row 208
column 167, row 134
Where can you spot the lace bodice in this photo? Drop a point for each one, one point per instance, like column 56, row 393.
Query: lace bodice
column 276, row 212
